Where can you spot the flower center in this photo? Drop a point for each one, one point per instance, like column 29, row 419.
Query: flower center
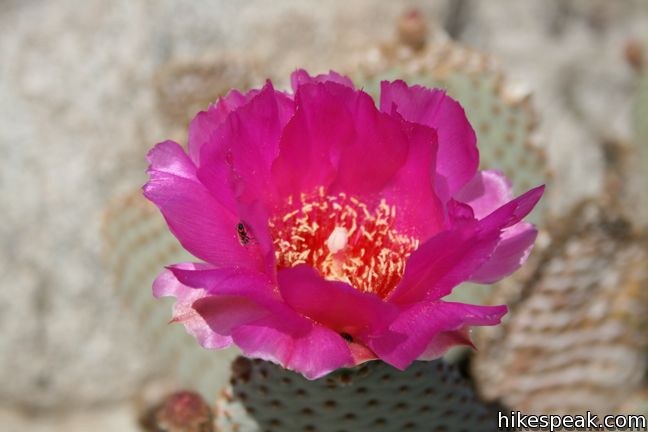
column 344, row 240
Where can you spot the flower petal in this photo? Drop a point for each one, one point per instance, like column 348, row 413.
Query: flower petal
column 509, row 255
column 379, row 135
column 203, row 226
column 487, row 191
column 166, row 285
column 223, row 313
column 169, row 157
column 225, row 281
column 260, row 324
column 443, row 262
column 294, row 342
column 458, row 157
column 421, row 323
column 312, row 141
column 419, row 212
column 442, row 342
column 453, row 256
column 245, row 145
column 301, row 77
column 336, row 305
column 204, row 125
column 514, row 211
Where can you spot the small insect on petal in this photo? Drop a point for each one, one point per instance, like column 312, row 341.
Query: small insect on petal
column 243, row 235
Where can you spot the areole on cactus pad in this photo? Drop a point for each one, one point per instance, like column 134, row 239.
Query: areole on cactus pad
column 328, row 229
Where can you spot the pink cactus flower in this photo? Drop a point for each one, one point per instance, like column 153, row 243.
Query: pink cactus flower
column 328, row 230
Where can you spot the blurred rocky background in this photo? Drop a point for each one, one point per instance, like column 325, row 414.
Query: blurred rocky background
column 87, row 87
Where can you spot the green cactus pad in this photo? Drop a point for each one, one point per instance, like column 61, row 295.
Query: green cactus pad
column 428, row 396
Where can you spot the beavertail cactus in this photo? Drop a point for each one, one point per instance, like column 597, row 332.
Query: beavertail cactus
column 579, row 321
column 328, row 225
column 318, row 257
column 428, row 396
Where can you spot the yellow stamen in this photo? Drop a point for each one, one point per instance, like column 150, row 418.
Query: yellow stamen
column 344, row 239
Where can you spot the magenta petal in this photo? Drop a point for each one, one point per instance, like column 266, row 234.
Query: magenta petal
column 224, row 313
column 453, row 256
column 419, row 212
column 421, row 323
column 255, row 216
column 294, row 342
column 166, row 285
column 246, row 144
column 442, row 342
column 301, row 77
column 512, row 212
column 169, row 157
column 312, row 141
column 443, row 262
column 204, row 125
column 509, row 255
column 458, row 157
column 459, row 213
column 203, row 226
column 336, row 305
column 376, row 134
column 327, row 142
column 253, row 132
column 225, row 281
column 487, row 191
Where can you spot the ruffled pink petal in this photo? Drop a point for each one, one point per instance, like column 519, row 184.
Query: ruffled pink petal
column 361, row 353
column 211, row 302
column 512, row 251
column 443, row 262
column 458, row 157
column 312, row 140
column 301, row 77
column 225, row 281
column 514, row 211
column 419, row 212
column 453, row 256
column 222, row 313
column 169, row 157
column 245, row 145
column 202, row 225
column 336, row 305
column 238, row 305
column 442, row 342
column 421, row 323
column 203, row 127
column 166, row 285
column 487, row 191
column 378, row 149
column 327, row 142
column 294, row 342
